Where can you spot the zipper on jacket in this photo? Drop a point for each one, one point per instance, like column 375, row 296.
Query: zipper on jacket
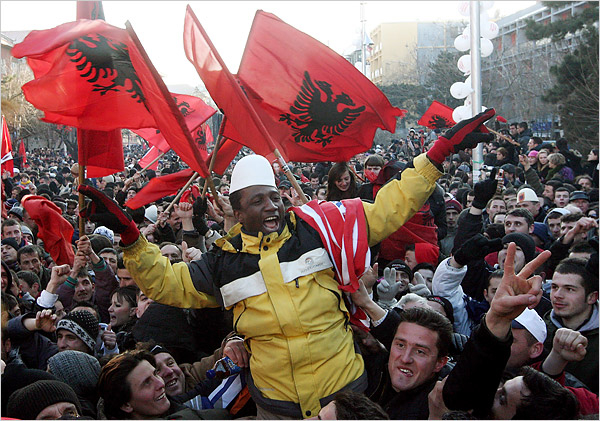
column 297, row 285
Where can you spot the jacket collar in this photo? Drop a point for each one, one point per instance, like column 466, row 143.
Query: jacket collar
column 251, row 242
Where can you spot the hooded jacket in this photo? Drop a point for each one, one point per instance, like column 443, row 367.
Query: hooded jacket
column 585, row 370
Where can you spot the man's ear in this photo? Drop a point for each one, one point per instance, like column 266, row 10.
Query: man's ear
column 592, row 297
column 127, row 408
column 239, row 216
column 440, row 363
column 536, row 350
column 531, row 229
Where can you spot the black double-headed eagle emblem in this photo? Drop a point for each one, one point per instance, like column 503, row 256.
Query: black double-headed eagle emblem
column 316, row 115
column 106, row 64
column 437, row 121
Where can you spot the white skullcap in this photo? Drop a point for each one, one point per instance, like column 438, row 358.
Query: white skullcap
column 252, row 170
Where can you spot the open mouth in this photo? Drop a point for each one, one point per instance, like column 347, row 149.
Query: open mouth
column 406, row 372
column 170, row 383
column 161, row 397
column 271, row 223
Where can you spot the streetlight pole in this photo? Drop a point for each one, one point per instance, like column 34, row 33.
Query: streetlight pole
column 477, row 152
column 363, row 36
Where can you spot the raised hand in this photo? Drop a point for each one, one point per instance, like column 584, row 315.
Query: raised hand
column 109, row 338
column 569, row 344
column 515, row 292
column 184, row 210
column 466, row 134
column 189, row 253
column 107, row 212
column 58, row 276
column 44, row 320
column 370, row 277
column 389, row 287
column 419, row 286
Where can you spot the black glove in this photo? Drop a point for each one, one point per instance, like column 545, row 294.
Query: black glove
column 476, row 248
column 105, row 211
column 200, row 207
column 463, row 135
column 484, row 190
column 458, row 343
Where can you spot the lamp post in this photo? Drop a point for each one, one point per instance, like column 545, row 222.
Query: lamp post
column 477, row 153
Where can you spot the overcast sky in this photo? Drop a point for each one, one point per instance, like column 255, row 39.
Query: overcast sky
column 159, row 24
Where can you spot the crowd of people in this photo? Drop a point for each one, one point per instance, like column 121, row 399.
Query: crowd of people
column 403, row 289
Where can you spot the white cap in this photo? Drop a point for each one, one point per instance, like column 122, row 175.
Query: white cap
column 151, row 213
column 534, row 324
column 252, row 170
column 527, row 195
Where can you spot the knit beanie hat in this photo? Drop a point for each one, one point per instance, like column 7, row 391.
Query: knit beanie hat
column 77, row 369
column 522, row 240
column 82, row 324
column 11, row 242
column 400, row 265
column 27, row 402
column 427, row 253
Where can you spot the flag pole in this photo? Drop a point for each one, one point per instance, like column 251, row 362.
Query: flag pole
column 290, row 176
column 211, row 164
column 250, row 108
column 81, row 180
column 184, row 188
column 500, row 135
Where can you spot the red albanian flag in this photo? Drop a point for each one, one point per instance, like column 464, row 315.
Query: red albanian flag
column 319, row 106
column 159, row 187
column 54, row 230
column 167, row 115
column 23, row 154
column 150, row 156
column 227, row 151
column 437, row 116
column 194, row 112
column 6, row 159
column 83, row 76
column 224, row 88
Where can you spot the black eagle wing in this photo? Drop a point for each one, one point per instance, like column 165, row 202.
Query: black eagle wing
column 97, row 57
column 348, row 117
column 307, row 95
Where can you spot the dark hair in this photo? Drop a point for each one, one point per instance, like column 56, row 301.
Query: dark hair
column 537, row 140
column 499, row 273
column 28, row 277
column 335, row 173
column 29, row 249
column 120, row 263
column 112, row 383
column 108, row 250
column 409, row 247
column 523, row 125
column 424, row 265
column 10, row 222
column 127, row 293
column 582, row 247
column 554, row 183
column 351, row 405
column 434, row 321
column 575, row 266
column 548, row 400
column 570, row 217
column 374, row 160
column 522, row 213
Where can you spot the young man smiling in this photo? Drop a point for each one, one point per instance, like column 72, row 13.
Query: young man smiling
column 275, row 270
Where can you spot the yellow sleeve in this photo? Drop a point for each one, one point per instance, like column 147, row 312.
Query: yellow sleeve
column 399, row 200
column 159, row 280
